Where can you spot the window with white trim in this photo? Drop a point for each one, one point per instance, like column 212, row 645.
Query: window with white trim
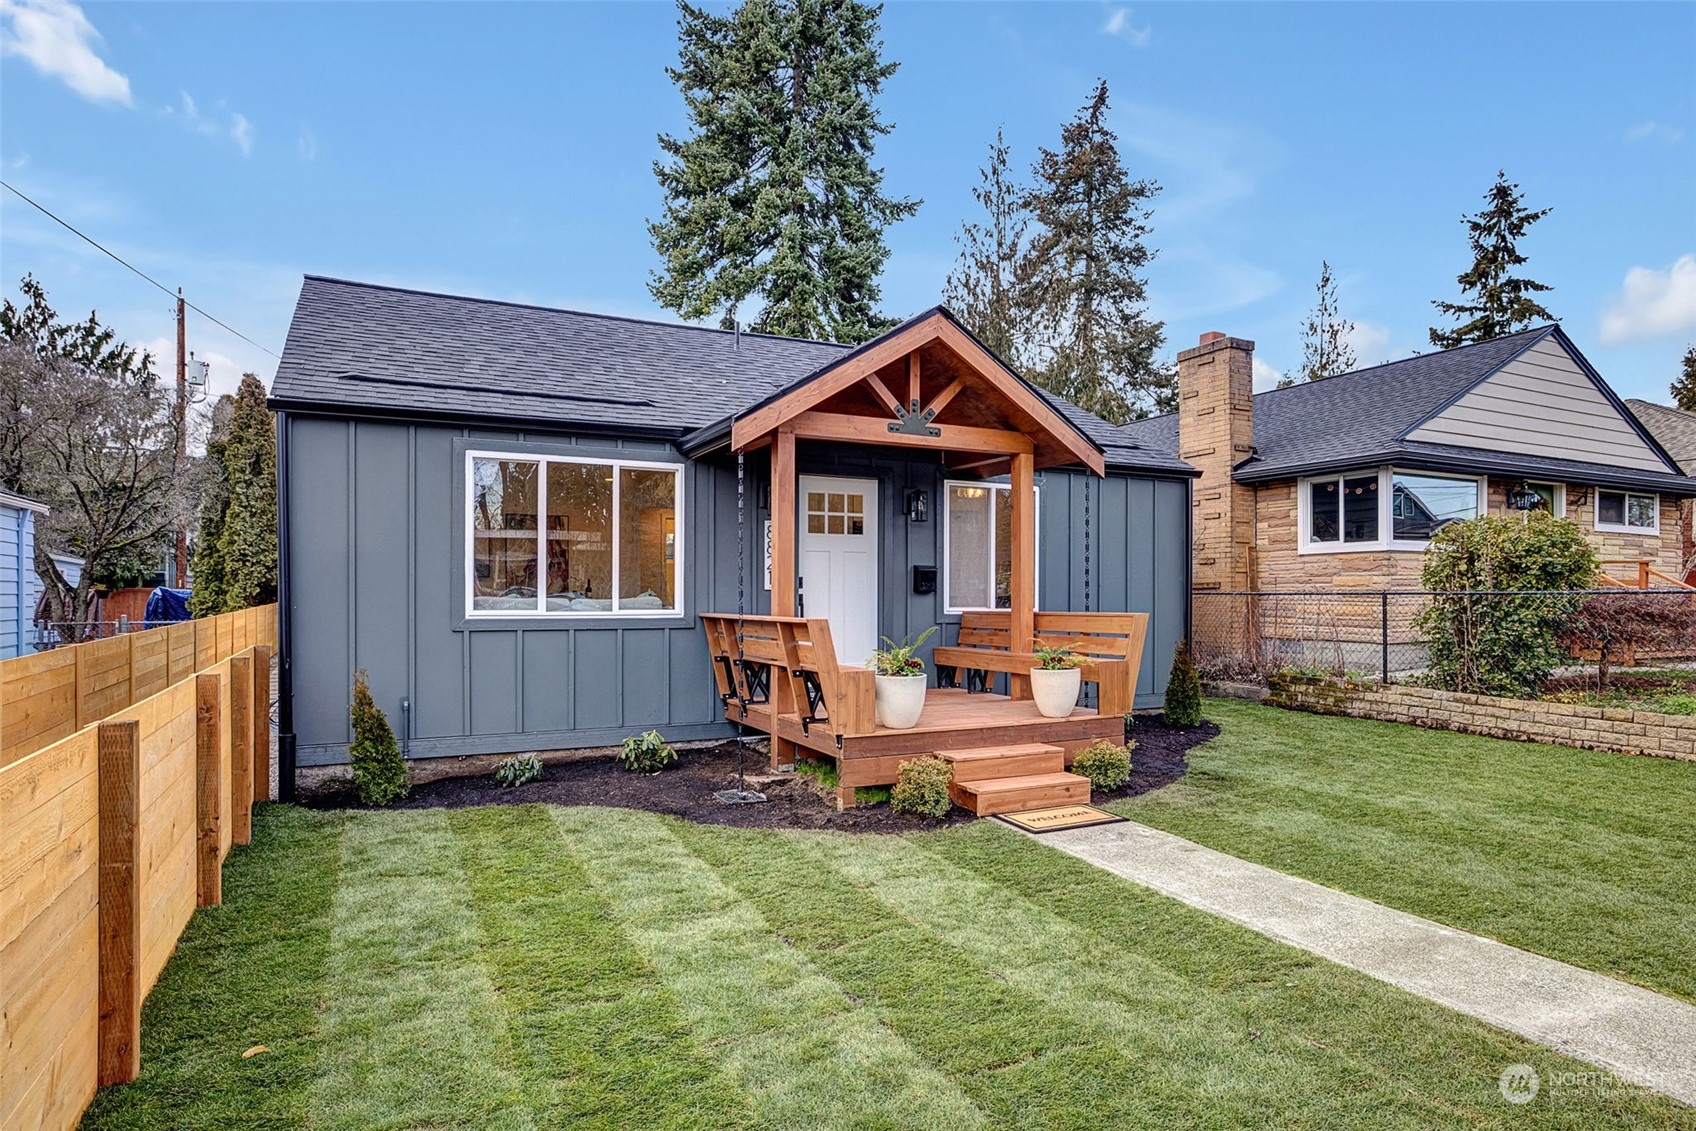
column 1551, row 497
column 564, row 536
column 1628, row 512
column 977, row 546
column 1382, row 509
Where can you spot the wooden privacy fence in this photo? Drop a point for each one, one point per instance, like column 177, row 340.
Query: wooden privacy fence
column 48, row 695
column 110, row 837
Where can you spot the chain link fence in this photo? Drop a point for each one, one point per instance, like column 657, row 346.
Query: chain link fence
column 1461, row 639
column 51, row 634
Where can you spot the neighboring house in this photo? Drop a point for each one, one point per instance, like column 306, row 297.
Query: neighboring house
column 512, row 517
column 19, row 587
column 1339, row 484
column 1675, row 429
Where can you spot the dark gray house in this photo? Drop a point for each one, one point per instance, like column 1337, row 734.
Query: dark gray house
column 512, row 517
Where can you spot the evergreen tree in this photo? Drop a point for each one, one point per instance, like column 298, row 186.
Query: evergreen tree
column 772, row 199
column 207, row 569
column 379, row 771
column 1495, row 301
column 1183, row 689
column 1684, row 388
column 235, row 556
column 1325, row 348
column 984, row 289
column 1083, row 268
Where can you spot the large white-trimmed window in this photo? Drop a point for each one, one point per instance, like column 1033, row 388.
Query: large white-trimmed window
column 569, row 536
column 1382, row 509
column 977, row 546
column 1628, row 512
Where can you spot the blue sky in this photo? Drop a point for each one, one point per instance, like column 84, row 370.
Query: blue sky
column 505, row 150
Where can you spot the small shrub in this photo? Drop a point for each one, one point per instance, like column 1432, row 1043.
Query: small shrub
column 1183, row 690
column 518, row 770
column 1055, row 658
column 902, row 658
column 921, row 787
column 379, row 772
column 646, row 753
column 1108, row 767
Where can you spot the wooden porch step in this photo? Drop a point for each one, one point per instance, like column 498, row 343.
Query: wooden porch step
column 1010, row 795
column 1022, row 760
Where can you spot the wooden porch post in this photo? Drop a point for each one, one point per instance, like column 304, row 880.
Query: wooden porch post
column 783, row 512
column 1023, row 583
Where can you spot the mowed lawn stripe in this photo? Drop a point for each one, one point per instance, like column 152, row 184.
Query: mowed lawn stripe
column 808, row 1054
column 1375, row 1056
column 599, row 1039
column 1568, row 853
column 413, row 1034
column 249, row 972
column 1025, row 1060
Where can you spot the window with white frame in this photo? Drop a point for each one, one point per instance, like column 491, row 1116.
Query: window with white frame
column 1382, row 509
column 1551, row 497
column 1628, row 512
column 977, row 546
column 566, row 536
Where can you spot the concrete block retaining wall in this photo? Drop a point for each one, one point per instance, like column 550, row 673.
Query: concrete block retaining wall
column 1615, row 729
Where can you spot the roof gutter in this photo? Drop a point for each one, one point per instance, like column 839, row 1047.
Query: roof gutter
column 460, row 419
column 1482, row 463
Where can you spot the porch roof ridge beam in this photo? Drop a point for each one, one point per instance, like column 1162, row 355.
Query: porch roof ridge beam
column 814, row 425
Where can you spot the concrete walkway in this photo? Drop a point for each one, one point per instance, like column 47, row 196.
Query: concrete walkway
column 1641, row 1036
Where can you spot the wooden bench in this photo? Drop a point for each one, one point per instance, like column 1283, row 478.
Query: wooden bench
column 1111, row 644
column 769, row 668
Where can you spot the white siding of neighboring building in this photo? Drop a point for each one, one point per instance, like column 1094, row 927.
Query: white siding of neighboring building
column 17, row 552
column 1542, row 403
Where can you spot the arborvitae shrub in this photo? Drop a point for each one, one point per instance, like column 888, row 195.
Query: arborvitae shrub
column 1108, row 767
column 921, row 787
column 379, row 772
column 1183, row 689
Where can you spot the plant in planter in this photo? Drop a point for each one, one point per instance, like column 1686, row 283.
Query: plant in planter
column 900, row 682
column 1055, row 680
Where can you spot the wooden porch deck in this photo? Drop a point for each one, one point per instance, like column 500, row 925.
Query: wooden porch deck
column 953, row 719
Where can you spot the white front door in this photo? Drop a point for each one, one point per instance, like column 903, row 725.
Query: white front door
column 838, row 568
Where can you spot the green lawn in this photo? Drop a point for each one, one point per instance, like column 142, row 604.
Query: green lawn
column 1585, row 857
column 531, row 967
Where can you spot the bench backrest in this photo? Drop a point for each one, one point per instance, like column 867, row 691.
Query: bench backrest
column 1113, row 642
column 794, row 648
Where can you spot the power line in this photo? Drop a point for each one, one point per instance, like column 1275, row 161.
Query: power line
column 174, row 295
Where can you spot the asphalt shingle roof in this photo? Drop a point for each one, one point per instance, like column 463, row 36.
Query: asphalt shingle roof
column 1673, row 427
column 1359, row 417
column 361, row 347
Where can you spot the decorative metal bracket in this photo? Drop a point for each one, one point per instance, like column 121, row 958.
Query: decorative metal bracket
column 914, row 422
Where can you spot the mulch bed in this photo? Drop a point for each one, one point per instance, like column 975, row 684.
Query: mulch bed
column 794, row 801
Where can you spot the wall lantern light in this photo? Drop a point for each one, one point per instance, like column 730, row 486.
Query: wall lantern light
column 1523, row 498
column 918, row 505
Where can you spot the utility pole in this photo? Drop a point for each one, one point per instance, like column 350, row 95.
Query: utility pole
column 179, row 414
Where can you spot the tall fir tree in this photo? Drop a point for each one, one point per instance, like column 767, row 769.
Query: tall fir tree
column 235, row 560
column 772, row 200
column 1684, row 388
column 206, row 597
column 985, row 289
column 1494, row 300
column 1083, row 269
column 1325, row 348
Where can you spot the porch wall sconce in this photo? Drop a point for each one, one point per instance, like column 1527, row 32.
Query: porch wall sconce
column 917, row 505
column 1523, row 498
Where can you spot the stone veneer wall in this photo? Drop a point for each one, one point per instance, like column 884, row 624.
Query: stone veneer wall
column 1614, row 729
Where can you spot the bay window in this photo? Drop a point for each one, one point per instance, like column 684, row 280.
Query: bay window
column 1628, row 512
column 1382, row 509
column 563, row 536
column 977, row 546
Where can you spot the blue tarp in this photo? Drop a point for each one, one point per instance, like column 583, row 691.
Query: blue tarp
column 167, row 605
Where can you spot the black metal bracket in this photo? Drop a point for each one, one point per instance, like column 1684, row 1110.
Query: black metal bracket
column 815, row 700
column 912, row 422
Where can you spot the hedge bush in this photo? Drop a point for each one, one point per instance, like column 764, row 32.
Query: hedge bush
column 921, row 787
column 379, row 772
column 1108, row 767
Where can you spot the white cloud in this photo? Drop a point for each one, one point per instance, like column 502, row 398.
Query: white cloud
column 1370, row 343
column 1653, row 304
column 307, row 144
column 1656, row 131
column 1119, row 24
column 241, row 132
column 59, row 41
column 219, row 122
column 1265, row 377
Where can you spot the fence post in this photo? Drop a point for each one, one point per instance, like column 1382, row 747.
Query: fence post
column 77, row 721
column 262, row 723
column 119, row 912
column 1384, row 639
column 207, row 810
column 241, row 749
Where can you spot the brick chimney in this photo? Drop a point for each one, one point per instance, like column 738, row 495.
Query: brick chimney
column 1215, row 433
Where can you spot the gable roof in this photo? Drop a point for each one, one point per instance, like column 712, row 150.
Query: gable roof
column 1364, row 417
column 364, row 349
column 1673, row 428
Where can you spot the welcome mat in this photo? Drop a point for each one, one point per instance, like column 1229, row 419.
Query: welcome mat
column 1060, row 817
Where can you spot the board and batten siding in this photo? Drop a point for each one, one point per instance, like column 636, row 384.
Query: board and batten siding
column 376, row 556
column 1542, row 403
column 18, row 587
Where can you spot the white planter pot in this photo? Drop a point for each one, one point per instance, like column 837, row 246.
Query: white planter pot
column 1056, row 692
column 900, row 699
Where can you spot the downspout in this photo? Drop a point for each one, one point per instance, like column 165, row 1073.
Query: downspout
column 285, row 622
